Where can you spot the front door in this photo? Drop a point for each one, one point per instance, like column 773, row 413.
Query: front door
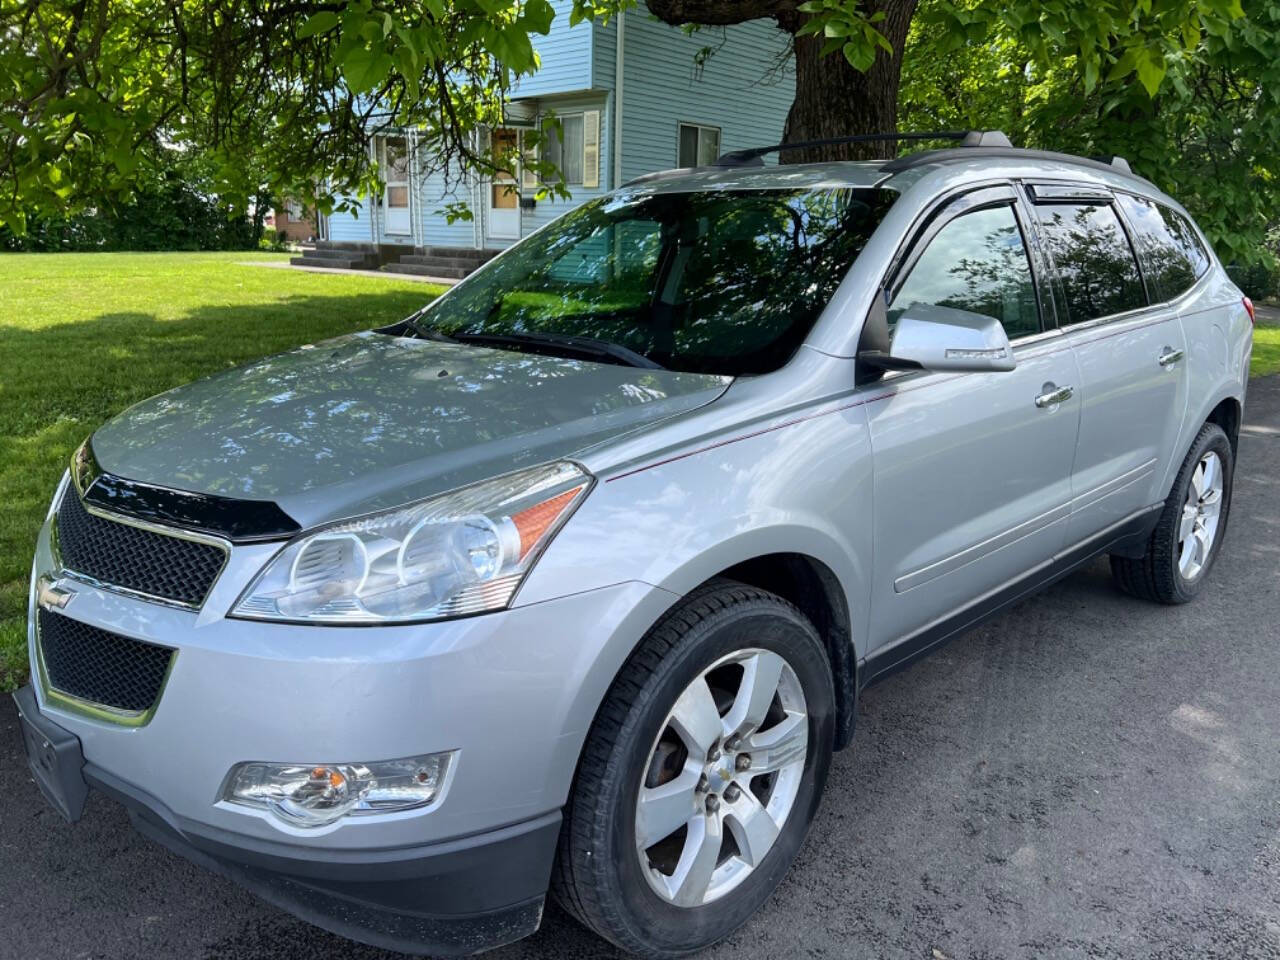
column 1130, row 354
column 972, row 471
column 395, row 199
column 504, row 194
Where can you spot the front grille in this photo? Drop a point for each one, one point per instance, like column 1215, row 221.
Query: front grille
column 122, row 555
column 98, row 666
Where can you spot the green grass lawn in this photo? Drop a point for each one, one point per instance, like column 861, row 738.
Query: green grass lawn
column 1266, row 349
column 82, row 336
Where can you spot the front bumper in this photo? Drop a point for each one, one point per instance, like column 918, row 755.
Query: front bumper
column 455, row 897
column 511, row 694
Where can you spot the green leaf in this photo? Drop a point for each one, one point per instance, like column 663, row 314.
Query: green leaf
column 860, row 55
column 364, row 69
column 1090, row 74
column 1151, row 70
column 318, row 23
column 513, row 48
column 831, row 45
column 538, row 15
column 1123, row 66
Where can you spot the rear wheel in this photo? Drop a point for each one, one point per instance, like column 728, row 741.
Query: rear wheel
column 1187, row 537
column 700, row 775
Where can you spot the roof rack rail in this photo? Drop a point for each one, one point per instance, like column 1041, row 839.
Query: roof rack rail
column 754, row 156
column 1112, row 160
column 912, row 160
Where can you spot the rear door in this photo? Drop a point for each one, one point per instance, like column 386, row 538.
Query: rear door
column 1130, row 350
column 1174, row 261
column 971, row 473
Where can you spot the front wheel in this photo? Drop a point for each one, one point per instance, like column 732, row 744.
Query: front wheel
column 701, row 774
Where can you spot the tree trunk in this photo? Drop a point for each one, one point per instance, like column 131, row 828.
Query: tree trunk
column 834, row 100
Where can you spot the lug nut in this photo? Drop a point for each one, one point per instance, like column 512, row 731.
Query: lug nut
column 713, row 803
column 714, row 755
column 702, row 784
column 733, row 743
column 732, row 792
column 743, row 762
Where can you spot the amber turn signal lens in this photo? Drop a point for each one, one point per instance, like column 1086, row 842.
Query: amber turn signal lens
column 534, row 521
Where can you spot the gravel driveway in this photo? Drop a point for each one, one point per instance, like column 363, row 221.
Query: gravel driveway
column 1087, row 776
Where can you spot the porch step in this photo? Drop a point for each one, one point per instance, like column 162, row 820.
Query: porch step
column 345, row 246
column 334, row 253
column 334, row 263
column 428, row 270
column 426, row 260
column 457, row 253
column 451, row 263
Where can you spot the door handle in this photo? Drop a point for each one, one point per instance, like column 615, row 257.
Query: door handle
column 1169, row 357
column 1053, row 396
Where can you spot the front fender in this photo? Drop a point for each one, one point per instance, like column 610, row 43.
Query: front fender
column 803, row 488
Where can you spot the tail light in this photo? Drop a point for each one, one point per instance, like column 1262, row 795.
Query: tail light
column 1248, row 306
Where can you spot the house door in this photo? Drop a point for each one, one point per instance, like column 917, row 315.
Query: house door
column 395, row 198
column 504, row 195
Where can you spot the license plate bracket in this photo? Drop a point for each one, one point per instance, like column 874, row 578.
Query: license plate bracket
column 54, row 758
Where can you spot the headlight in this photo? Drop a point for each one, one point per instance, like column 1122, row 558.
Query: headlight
column 314, row 795
column 458, row 553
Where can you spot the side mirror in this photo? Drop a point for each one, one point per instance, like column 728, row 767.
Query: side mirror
column 928, row 337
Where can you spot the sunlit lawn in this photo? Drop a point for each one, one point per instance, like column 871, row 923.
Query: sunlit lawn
column 1266, row 348
column 82, row 336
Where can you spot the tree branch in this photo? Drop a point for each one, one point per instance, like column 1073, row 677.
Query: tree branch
column 718, row 13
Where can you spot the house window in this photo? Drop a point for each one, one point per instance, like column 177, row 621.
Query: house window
column 293, row 209
column 565, row 149
column 574, row 150
column 699, row 146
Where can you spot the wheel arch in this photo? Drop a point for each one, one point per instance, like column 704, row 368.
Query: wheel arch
column 1223, row 408
column 1227, row 414
column 814, row 589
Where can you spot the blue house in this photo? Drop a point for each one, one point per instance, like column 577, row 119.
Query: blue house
column 631, row 99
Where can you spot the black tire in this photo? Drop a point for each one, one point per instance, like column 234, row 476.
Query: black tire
column 598, row 876
column 1156, row 576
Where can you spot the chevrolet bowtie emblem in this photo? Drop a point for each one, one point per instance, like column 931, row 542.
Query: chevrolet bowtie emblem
column 50, row 596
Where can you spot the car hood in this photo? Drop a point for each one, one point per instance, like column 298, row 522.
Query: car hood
column 371, row 421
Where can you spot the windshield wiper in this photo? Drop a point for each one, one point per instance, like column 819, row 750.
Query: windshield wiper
column 424, row 332
column 579, row 346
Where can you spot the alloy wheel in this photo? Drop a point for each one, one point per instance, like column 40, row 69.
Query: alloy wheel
column 722, row 777
column 1198, row 527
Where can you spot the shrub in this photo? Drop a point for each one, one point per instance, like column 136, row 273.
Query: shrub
column 166, row 213
column 1259, row 281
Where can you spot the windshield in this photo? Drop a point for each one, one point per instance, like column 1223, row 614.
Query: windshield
column 724, row 282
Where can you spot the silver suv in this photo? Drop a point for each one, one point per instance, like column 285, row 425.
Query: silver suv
column 570, row 581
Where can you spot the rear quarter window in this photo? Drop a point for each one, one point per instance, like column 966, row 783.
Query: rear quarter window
column 1171, row 252
column 1184, row 235
column 1094, row 260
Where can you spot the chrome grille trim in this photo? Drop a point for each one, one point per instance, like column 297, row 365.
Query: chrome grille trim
column 175, row 533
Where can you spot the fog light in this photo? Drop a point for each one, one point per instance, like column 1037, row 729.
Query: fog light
column 313, row 795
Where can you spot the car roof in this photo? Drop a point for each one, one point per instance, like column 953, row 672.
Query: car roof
column 941, row 165
column 762, row 177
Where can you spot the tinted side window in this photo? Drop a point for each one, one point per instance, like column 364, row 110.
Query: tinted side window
column 1185, row 236
column 1165, row 259
column 977, row 262
column 1094, row 260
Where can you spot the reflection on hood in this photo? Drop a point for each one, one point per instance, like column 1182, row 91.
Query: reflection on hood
column 368, row 413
